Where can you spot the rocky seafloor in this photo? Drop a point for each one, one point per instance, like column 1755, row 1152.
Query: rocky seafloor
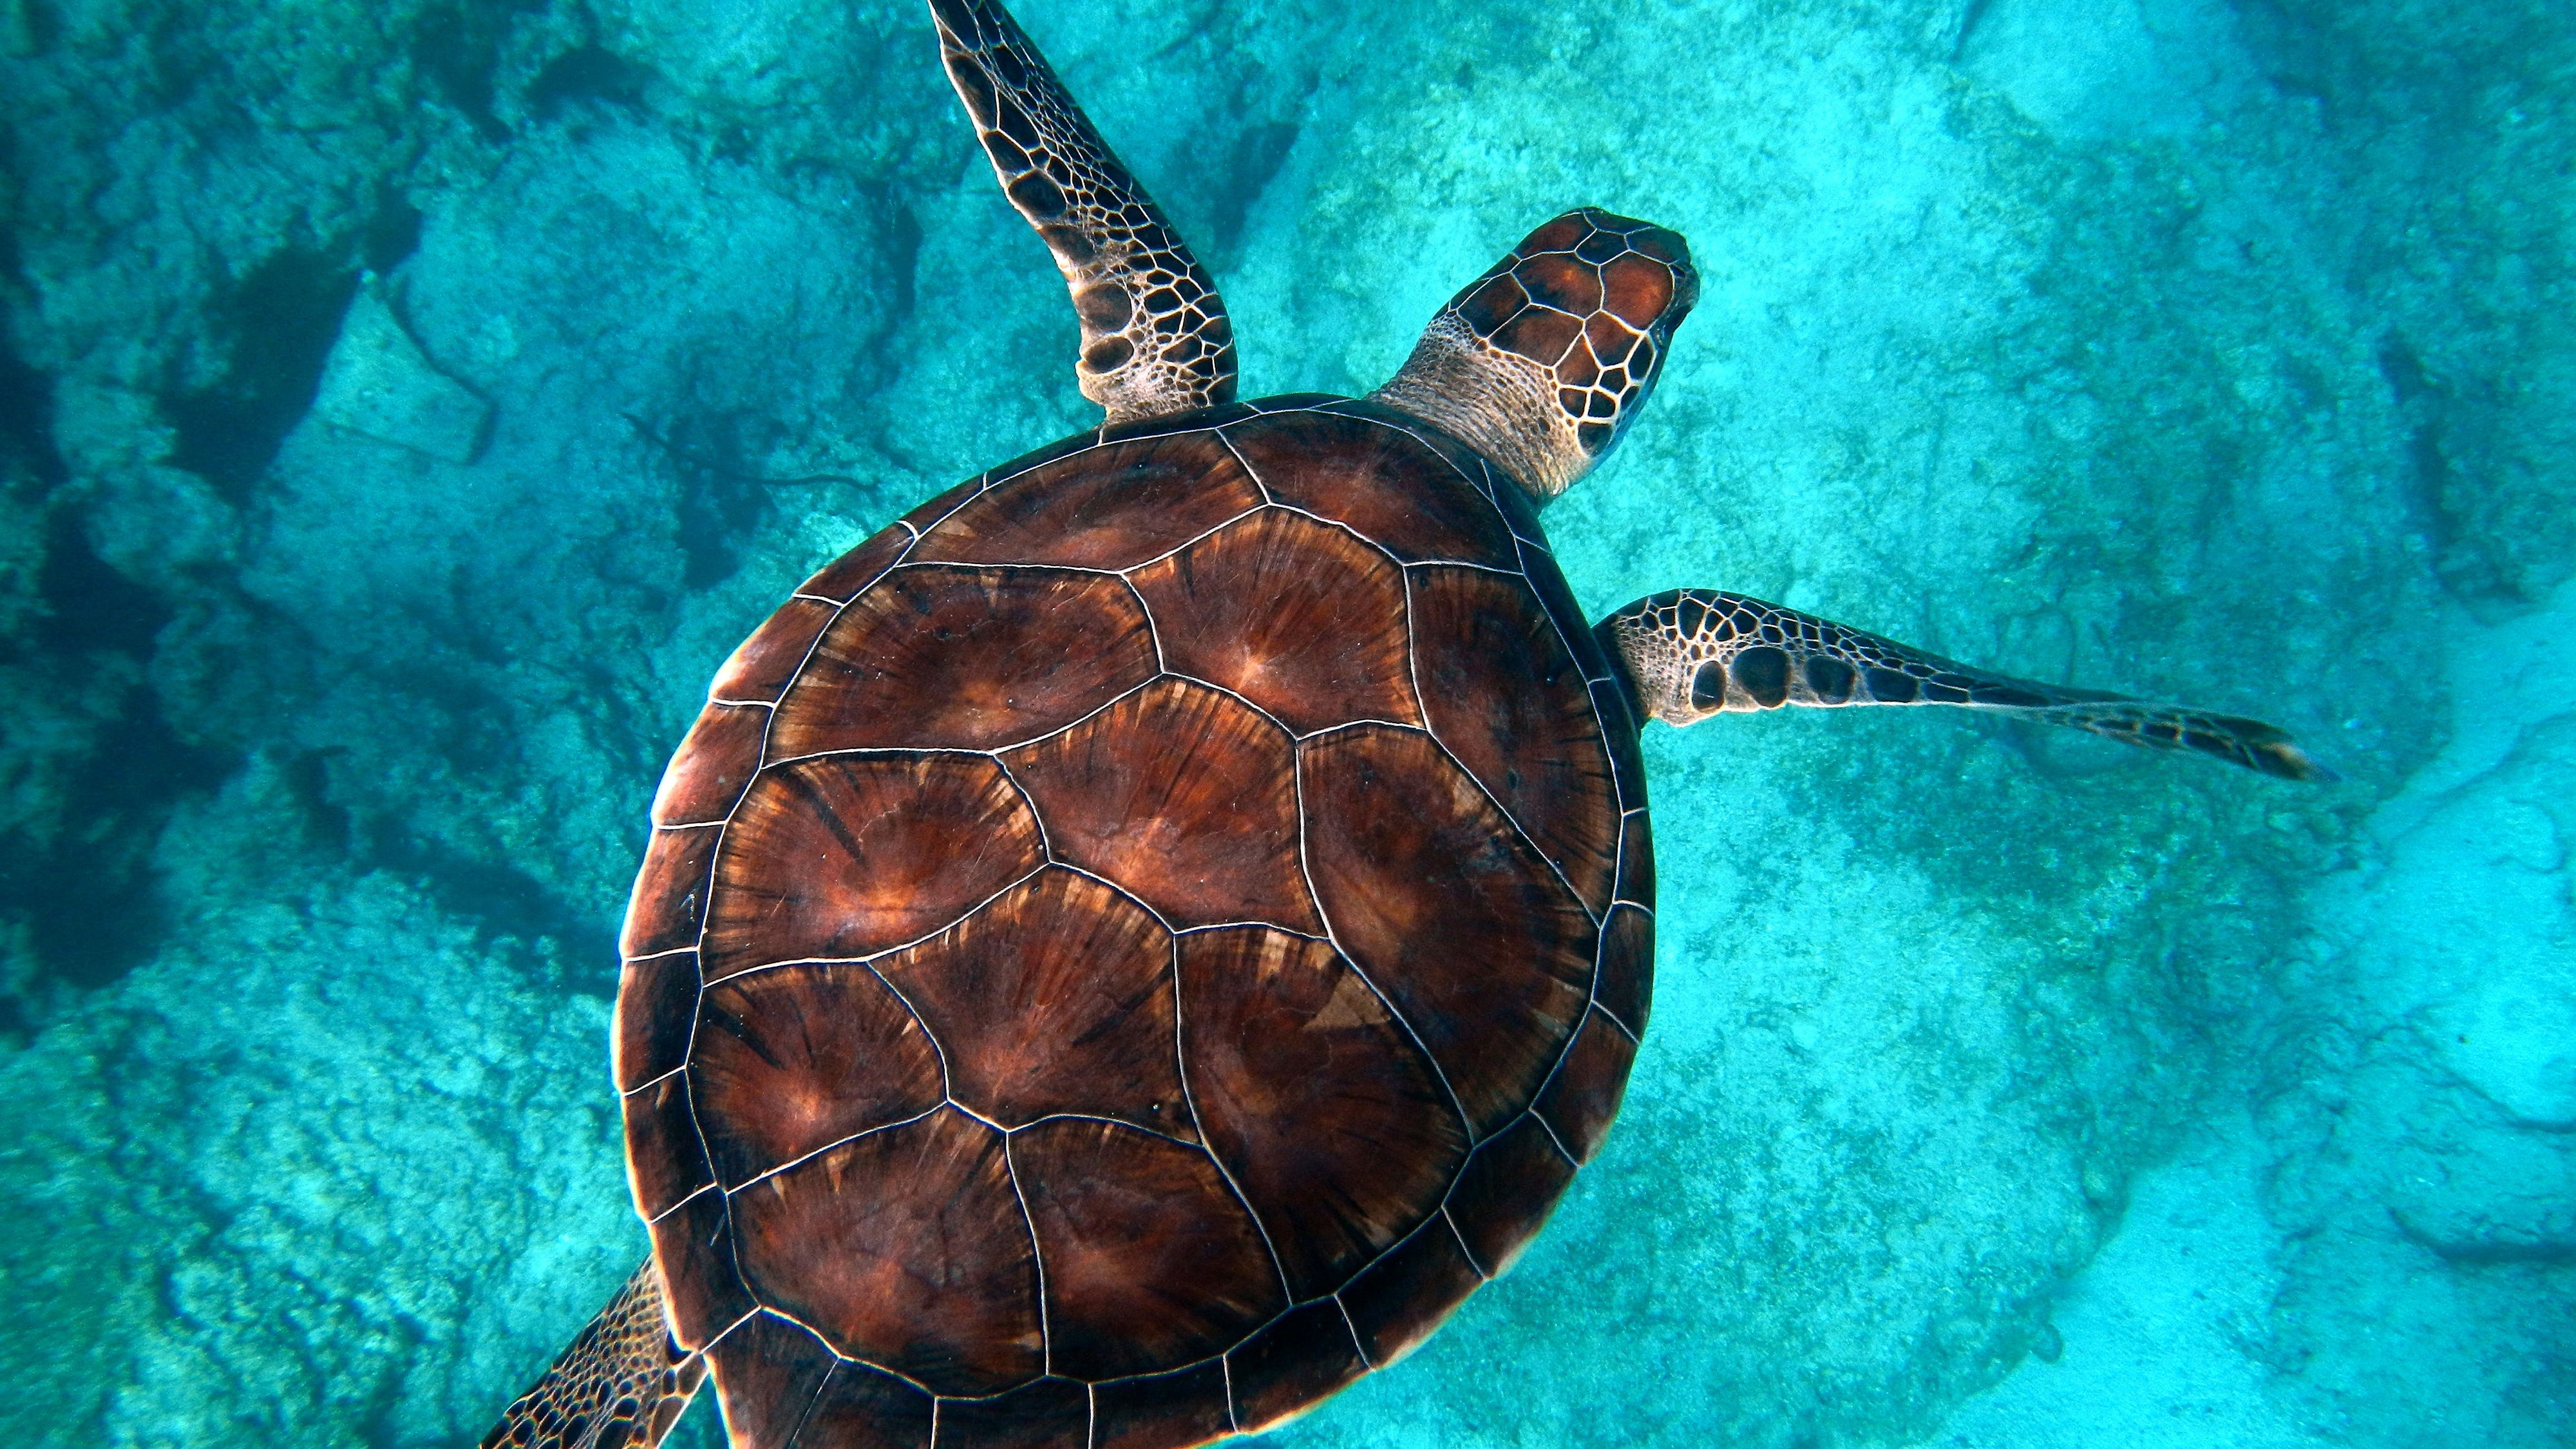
column 405, row 406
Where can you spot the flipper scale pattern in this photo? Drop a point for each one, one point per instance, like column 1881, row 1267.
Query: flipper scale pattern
column 1693, row 653
column 621, row 1385
column 1155, row 339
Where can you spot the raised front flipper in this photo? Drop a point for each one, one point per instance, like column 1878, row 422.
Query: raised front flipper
column 1155, row 339
column 621, row 1385
column 1692, row 653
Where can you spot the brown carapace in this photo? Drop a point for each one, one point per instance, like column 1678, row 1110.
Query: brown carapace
column 1130, row 947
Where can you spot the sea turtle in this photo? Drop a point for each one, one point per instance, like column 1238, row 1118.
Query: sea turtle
column 1129, row 948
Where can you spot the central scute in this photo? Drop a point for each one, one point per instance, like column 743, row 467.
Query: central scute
column 1128, row 941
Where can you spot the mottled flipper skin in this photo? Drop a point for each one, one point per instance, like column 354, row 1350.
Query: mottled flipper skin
column 621, row 1385
column 1155, row 339
column 1693, row 653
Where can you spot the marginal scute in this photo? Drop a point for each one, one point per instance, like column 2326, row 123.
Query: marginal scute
column 904, row 1248
column 1548, row 582
column 843, row 856
column 843, row 578
column 1584, row 1094
column 1329, row 1118
column 792, row 1060
column 657, row 1003
column 761, row 665
column 1055, row 997
column 1626, row 984
column 1307, row 1354
column 669, row 902
column 1042, row 1415
column 1162, row 1412
column 665, row 1162
column 1483, row 951
column 1150, row 1261
column 923, row 516
column 1508, row 699
column 1637, row 857
column 1111, row 508
column 1520, row 515
column 862, row 1407
column 965, row 658
column 1290, row 402
column 1627, row 760
column 1195, row 419
column 768, row 1372
column 1504, row 1195
column 1005, row 474
column 713, row 765
column 693, row 1246
column 1185, row 796
column 1378, row 480
column 1298, row 617
column 1397, row 1302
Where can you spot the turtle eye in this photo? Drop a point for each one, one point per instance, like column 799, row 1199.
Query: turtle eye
column 1708, row 687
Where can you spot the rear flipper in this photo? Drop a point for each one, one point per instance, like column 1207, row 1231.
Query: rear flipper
column 1692, row 653
column 621, row 1385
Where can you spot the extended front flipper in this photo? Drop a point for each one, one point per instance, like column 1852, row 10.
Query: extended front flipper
column 1155, row 339
column 1692, row 653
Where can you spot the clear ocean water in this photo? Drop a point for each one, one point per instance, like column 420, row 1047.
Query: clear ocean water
column 404, row 407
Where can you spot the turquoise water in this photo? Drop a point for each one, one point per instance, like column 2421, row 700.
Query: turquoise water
column 405, row 406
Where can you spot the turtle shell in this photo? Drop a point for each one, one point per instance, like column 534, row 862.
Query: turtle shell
column 1129, row 948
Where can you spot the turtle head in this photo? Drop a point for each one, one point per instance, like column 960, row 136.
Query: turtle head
column 1542, row 361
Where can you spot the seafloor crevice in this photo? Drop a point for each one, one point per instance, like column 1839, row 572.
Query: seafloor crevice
column 405, row 406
